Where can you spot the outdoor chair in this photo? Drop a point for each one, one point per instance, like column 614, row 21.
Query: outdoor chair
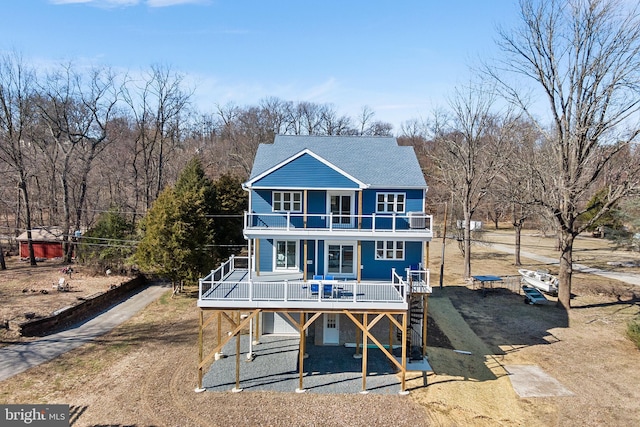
column 315, row 288
column 327, row 291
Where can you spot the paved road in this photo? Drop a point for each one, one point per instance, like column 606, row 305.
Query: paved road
column 631, row 278
column 17, row 358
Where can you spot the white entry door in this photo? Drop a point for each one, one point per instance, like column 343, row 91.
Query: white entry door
column 331, row 331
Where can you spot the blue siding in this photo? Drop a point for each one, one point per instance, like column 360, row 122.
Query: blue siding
column 413, row 203
column 261, row 201
column 305, row 172
column 317, row 205
column 372, row 269
column 414, row 200
column 311, row 256
column 266, row 255
column 381, row 269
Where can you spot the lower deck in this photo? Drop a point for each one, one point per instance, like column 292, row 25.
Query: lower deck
column 238, row 290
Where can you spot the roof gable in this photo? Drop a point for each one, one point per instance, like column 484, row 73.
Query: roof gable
column 374, row 162
column 304, row 170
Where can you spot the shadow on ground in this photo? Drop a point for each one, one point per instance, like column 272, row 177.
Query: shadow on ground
column 483, row 326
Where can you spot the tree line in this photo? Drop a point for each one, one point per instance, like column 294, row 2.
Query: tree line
column 76, row 143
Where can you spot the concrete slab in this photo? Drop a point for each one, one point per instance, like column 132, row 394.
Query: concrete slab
column 532, row 381
column 327, row 370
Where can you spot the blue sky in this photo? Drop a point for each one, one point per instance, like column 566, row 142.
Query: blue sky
column 400, row 58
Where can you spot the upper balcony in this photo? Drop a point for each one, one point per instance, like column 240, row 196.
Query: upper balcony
column 406, row 226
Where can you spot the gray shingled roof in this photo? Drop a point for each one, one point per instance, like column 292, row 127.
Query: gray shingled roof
column 377, row 161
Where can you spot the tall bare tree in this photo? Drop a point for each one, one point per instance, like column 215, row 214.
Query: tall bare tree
column 16, row 124
column 470, row 148
column 583, row 57
column 514, row 187
column 76, row 114
column 159, row 106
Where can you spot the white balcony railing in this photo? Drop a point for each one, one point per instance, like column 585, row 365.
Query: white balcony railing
column 411, row 221
column 310, row 291
column 228, row 286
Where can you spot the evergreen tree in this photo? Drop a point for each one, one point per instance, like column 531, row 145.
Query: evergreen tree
column 108, row 244
column 177, row 235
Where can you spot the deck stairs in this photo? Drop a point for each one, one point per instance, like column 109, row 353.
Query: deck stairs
column 414, row 328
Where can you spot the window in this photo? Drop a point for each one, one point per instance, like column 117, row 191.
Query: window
column 289, row 201
column 389, row 249
column 390, row 203
column 286, row 254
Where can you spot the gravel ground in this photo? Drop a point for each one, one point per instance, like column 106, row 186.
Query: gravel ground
column 327, row 370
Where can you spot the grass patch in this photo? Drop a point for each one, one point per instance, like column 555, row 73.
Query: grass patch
column 164, row 299
column 633, row 331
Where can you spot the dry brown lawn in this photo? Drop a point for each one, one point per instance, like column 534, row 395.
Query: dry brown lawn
column 143, row 373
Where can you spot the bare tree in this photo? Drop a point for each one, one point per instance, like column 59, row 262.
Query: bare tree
column 470, row 149
column 584, row 58
column 76, row 114
column 16, row 121
column 158, row 106
column 514, row 185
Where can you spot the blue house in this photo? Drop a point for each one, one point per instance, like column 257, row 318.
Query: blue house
column 336, row 230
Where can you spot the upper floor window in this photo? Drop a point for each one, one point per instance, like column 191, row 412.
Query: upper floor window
column 289, row 201
column 390, row 202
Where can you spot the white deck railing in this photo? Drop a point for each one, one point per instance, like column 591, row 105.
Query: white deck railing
column 223, row 272
column 411, row 221
column 298, row 290
column 227, row 285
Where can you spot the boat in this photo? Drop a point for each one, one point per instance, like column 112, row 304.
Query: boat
column 540, row 279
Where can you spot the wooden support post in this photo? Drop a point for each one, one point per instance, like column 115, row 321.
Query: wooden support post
column 404, row 355
column 200, row 350
column 358, row 355
column 219, row 330
column 237, row 387
column 365, row 346
column 301, row 349
column 390, row 336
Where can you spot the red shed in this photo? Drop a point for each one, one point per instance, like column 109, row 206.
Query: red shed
column 47, row 243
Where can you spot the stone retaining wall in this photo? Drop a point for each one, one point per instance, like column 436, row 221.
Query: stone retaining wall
column 87, row 308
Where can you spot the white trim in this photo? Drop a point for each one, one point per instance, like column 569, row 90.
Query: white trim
column 395, row 202
column 352, row 206
column 395, row 249
column 291, row 201
column 249, row 183
column 353, row 244
column 325, row 328
column 275, row 254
